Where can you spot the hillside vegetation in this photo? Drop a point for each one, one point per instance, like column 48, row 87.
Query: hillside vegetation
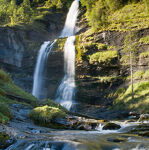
column 18, row 12
column 11, row 94
column 117, row 14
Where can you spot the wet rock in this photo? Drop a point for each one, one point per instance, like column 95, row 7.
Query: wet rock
column 111, row 126
column 145, row 134
column 84, row 127
column 144, row 117
column 117, row 140
column 6, row 140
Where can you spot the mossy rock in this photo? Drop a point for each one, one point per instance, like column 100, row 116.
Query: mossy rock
column 111, row 126
column 5, row 140
column 45, row 115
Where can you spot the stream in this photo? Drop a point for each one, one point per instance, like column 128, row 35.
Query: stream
column 29, row 136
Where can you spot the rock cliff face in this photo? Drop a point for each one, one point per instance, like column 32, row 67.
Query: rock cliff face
column 19, row 47
column 101, row 67
column 98, row 75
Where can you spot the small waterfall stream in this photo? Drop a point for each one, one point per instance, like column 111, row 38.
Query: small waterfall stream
column 66, row 90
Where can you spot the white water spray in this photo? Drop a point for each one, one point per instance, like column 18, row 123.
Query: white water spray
column 43, row 54
column 66, row 90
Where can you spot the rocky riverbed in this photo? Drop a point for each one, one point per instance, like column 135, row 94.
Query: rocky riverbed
column 115, row 135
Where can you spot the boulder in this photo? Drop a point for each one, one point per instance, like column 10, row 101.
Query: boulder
column 111, row 126
column 144, row 117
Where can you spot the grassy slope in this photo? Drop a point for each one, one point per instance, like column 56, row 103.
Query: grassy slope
column 7, row 87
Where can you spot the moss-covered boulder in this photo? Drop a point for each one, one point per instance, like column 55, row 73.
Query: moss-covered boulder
column 111, row 126
column 45, row 115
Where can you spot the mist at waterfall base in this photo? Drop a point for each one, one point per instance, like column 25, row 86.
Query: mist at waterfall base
column 66, row 90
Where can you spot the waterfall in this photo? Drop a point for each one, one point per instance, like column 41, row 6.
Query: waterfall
column 43, row 53
column 66, row 90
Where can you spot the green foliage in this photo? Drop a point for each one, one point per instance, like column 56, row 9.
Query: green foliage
column 3, row 119
column 5, row 110
column 103, row 57
column 25, row 12
column 144, row 40
column 138, row 75
column 52, row 104
column 140, row 101
column 146, row 74
column 119, row 92
column 4, row 76
column 144, row 55
column 102, row 46
column 45, row 114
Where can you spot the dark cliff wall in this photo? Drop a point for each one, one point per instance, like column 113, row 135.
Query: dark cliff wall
column 19, row 47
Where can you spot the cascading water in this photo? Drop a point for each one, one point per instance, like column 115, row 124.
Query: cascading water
column 66, row 90
column 43, row 53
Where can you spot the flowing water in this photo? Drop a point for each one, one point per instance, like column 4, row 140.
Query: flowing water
column 66, row 90
column 38, row 82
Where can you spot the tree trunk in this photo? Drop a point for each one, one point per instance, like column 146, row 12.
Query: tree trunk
column 131, row 71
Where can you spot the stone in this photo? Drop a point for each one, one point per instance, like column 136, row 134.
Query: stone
column 117, row 140
column 144, row 117
column 111, row 126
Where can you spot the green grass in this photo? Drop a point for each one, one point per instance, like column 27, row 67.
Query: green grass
column 8, row 87
column 45, row 115
column 140, row 102
column 138, row 75
column 103, row 57
column 132, row 16
column 144, row 40
column 146, row 74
